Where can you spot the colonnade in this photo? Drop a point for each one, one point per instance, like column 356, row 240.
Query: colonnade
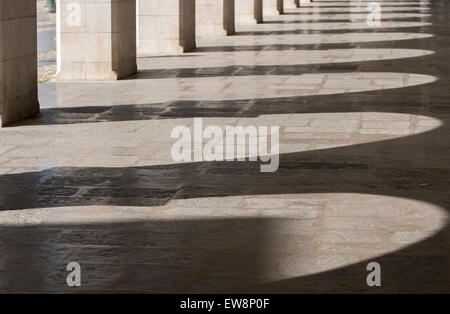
column 100, row 39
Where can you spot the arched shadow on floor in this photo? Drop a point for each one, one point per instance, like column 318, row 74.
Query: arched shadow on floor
column 376, row 168
column 356, row 12
column 227, row 255
column 385, row 168
column 318, row 46
column 401, row 19
column 242, row 108
column 381, row 29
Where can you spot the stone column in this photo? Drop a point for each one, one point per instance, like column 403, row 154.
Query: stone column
column 249, row 11
column 96, row 39
column 18, row 60
column 166, row 26
column 273, row 7
column 215, row 17
column 291, row 4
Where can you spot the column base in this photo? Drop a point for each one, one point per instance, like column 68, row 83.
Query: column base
column 164, row 47
column 98, row 71
column 18, row 108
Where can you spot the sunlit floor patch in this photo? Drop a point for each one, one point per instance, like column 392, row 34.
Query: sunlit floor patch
column 289, row 57
column 313, row 233
column 356, row 228
column 353, row 3
column 292, row 235
column 222, row 88
column 356, row 9
column 316, row 26
column 141, row 143
column 308, row 39
column 298, row 19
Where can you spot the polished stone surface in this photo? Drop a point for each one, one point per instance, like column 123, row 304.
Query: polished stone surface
column 364, row 168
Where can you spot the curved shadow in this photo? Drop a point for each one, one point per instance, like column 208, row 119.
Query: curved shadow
column 383, row 5
column 269, row 62
column 251, row 107
column 336, row 41
column 320, row 171
column 328, row 26
column 329, row 20
column 356, row 12
column 376, row 168
column 413, row 167
column 299, row 173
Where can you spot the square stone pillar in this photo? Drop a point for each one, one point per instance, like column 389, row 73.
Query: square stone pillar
column 249, row 11
column 215, row 17
column 18, row 60
column 96, row 39
column 166, row 26
column 273, row 7
column 291, row 4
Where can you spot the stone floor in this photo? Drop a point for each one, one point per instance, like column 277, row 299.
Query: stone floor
column 364, row 168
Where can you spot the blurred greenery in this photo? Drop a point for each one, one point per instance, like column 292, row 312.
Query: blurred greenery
column 50, row 6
